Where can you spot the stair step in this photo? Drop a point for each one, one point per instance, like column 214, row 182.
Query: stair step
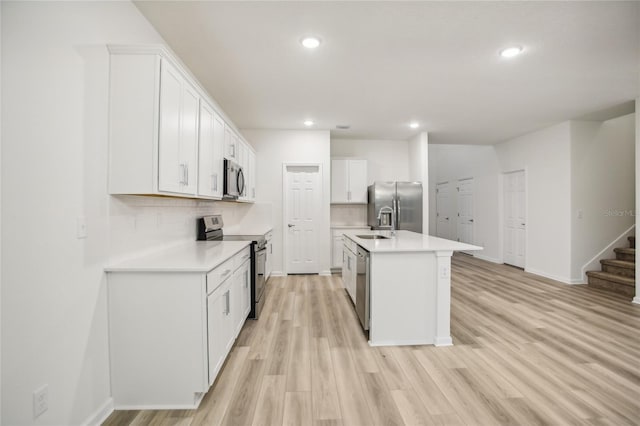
column 612, row 282
column 619, row 267
column 628, row 254
column 632, row 242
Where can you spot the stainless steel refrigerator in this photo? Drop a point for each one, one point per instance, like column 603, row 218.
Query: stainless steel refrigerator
column 399, row 201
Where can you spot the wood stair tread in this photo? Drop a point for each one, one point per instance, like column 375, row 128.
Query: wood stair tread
column 619, row 263
column 612, row 277
column 625, row 250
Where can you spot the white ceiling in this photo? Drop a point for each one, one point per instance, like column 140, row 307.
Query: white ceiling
column 384, row 64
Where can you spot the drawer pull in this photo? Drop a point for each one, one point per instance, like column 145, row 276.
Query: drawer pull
column 225, row 273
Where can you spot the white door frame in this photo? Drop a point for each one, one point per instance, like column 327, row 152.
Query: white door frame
column 448, row 207
column 473, row 213
column 502, row 215
column 285, row 227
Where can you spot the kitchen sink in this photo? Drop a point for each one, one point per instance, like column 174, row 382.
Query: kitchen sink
column 372, row 237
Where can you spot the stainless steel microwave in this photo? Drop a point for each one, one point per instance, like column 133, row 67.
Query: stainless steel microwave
column 233, row 180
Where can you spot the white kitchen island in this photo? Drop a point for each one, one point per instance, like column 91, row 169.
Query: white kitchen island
column 410, row 287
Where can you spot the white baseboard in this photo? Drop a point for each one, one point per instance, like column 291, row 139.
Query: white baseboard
column 101, row 414
column 636, row 300
column 326, row 273
column 399, row 343
column 443, row 341
column 277, row 274
column 487, row 258
column 563, row 280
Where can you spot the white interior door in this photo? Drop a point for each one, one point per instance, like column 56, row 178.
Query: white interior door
column 465, row 211
column 515, row 223
column 303, row 198
column 443, row 215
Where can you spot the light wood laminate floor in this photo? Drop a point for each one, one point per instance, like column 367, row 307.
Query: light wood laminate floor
column 527, row 351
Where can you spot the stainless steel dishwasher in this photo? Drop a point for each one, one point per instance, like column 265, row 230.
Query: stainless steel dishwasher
column 362, row 287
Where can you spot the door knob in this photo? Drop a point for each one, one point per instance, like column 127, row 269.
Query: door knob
column 291, row 226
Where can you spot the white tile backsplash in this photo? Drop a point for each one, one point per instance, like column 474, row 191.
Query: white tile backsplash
column 143, row 224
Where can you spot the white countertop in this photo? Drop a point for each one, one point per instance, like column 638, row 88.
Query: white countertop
column 196, row 256
column 350, row 227
column 247, row 230
column 407, row 241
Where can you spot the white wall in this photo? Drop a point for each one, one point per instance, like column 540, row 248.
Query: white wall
column 273, row 149
column 54, row 169
column 450, row 163
column 545, row 156
column 386, row 160
column 603, row 186
column 419, row 171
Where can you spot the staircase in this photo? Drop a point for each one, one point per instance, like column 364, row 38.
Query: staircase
column 619, row 274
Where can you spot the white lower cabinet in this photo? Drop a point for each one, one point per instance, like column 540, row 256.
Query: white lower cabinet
column 268, row 264
column 219, row 327
column 241, row 296
column 349, row 271
column 170, row 332
column 337, row 244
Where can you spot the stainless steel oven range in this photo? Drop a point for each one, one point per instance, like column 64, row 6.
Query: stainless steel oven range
column 209, row 228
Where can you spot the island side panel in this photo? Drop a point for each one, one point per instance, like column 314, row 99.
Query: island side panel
column 443, row 297
column 403, row 298
column 157, row 330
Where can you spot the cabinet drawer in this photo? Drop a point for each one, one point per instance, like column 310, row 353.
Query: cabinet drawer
column 219, row 275
column 241, row 257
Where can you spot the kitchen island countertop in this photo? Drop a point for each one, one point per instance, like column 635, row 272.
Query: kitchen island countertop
column 406, row 241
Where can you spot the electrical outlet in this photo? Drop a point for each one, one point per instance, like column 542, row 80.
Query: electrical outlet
column 445, row 271
column 40, row 400
column 81, row 228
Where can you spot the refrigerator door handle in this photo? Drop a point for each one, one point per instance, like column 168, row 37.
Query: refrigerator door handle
column 396, row 207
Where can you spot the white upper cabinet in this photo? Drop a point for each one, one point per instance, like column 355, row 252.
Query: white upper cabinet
column 252, row 176
column 246, row 158
column 165, row 135
column 241, row 159
column 211, row 145
column 348, row 181
column 230, row 144
column 178, row 136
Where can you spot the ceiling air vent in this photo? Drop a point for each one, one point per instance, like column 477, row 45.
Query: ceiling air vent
column 343, row 127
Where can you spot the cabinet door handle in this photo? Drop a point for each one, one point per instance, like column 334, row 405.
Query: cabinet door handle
column 181, row 173
column 348, row 195
column 246, row 279
column 186, row 166
column 232, row 150
column 227, row 308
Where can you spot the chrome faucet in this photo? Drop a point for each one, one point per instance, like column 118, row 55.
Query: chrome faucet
column 387, row 209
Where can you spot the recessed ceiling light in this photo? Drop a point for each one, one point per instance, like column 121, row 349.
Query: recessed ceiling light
column 343, row 126
column 308, row 123
column 414, row 125
column 310, row 42
column 510, row 52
